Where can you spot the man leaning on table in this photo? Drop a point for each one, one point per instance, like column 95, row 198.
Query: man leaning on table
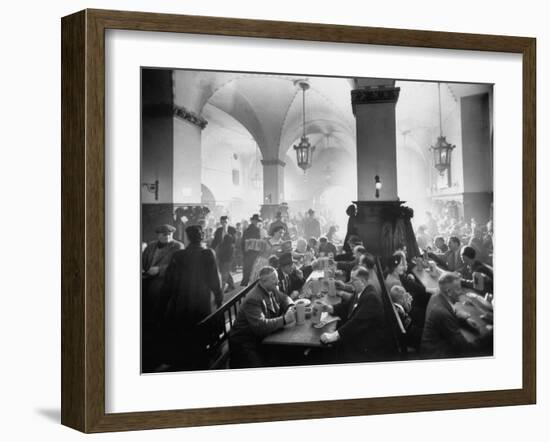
column 364, row 334
column 264, row 310
column 442, row 336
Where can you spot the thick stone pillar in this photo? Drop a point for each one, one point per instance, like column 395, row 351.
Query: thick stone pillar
column 374, row 110
column 477, row 157
column 382, row 223
column 187, row 156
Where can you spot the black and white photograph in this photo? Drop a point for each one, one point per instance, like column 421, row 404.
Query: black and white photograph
column 299, row 220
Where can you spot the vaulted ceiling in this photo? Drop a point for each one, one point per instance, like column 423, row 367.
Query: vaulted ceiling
column 244, row 109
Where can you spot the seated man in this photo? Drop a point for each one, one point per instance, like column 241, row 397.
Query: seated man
column 325, row 247
column 363, row 334
column 348, row 266
column 452, row 259
column 291, row 279
column 264, row 310
column 482, row 274
column 440, row 246
column 442, row 337
column 352, row 242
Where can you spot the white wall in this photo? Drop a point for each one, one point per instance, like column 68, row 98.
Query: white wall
column 30, row 268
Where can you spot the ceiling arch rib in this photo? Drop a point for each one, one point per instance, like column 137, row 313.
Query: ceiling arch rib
column 259, row 108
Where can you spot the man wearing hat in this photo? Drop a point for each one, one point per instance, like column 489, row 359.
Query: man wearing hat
column 252, row 232
column 155, row 259
column 224, row 246
column 312, row 226
column 290, row 277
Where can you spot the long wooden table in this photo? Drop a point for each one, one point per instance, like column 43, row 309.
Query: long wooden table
column 305, row 335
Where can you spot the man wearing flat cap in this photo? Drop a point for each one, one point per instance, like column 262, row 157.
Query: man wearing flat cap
column 155, row 259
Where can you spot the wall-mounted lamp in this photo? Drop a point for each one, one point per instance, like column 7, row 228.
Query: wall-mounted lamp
column 152, row 188
column 377, row 185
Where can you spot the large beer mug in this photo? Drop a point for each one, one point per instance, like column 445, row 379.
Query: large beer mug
column 479, row 281
column 300, row 308
column 331, row 287
column 316, row 312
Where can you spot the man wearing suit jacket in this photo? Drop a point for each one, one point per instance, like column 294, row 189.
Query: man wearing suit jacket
column 442, row 337
column 264, row 310
column 290, row 278
column 155, row 260
column 452, row 259
column 364, row 334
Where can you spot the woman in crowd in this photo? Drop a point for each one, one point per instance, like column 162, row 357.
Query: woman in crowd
column 397, row 265
column 270, row 246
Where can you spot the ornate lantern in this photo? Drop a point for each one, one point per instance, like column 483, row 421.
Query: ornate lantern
column 442, row 154
column 442, row 149
column 304, row 150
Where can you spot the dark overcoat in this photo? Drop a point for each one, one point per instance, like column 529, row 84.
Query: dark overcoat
column 191, row 280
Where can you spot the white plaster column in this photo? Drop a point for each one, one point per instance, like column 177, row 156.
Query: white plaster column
column 274, row 181
column 374, row 110
column 187, row 157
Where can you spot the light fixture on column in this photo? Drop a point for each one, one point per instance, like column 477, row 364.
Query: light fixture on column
column 304, row 150
column 442, row 149
column 152, row 188
column 377, row 186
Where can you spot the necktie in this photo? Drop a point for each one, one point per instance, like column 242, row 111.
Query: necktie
column 272, row 301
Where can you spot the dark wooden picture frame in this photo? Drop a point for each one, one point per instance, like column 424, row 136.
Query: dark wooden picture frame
column 83, row 220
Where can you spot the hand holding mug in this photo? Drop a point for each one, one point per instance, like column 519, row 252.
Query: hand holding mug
column 327, row 308
column 290, row 316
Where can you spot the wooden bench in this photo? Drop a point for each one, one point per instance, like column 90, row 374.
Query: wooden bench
column 212, row 333
column 392, row 317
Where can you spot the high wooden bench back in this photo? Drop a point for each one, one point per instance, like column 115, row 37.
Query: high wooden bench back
column 213, row 332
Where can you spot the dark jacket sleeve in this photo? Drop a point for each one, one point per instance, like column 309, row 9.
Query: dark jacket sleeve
column 169, row 286
column 341, row 309
column 163, row 265
column 146, row 257
column 367, row 320
column 449, row 327
column 213, row 276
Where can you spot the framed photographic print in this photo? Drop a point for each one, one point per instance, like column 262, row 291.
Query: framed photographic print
column 250, row 204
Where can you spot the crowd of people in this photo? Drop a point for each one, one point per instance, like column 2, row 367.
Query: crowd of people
column 179, row 283
column 458, row 246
